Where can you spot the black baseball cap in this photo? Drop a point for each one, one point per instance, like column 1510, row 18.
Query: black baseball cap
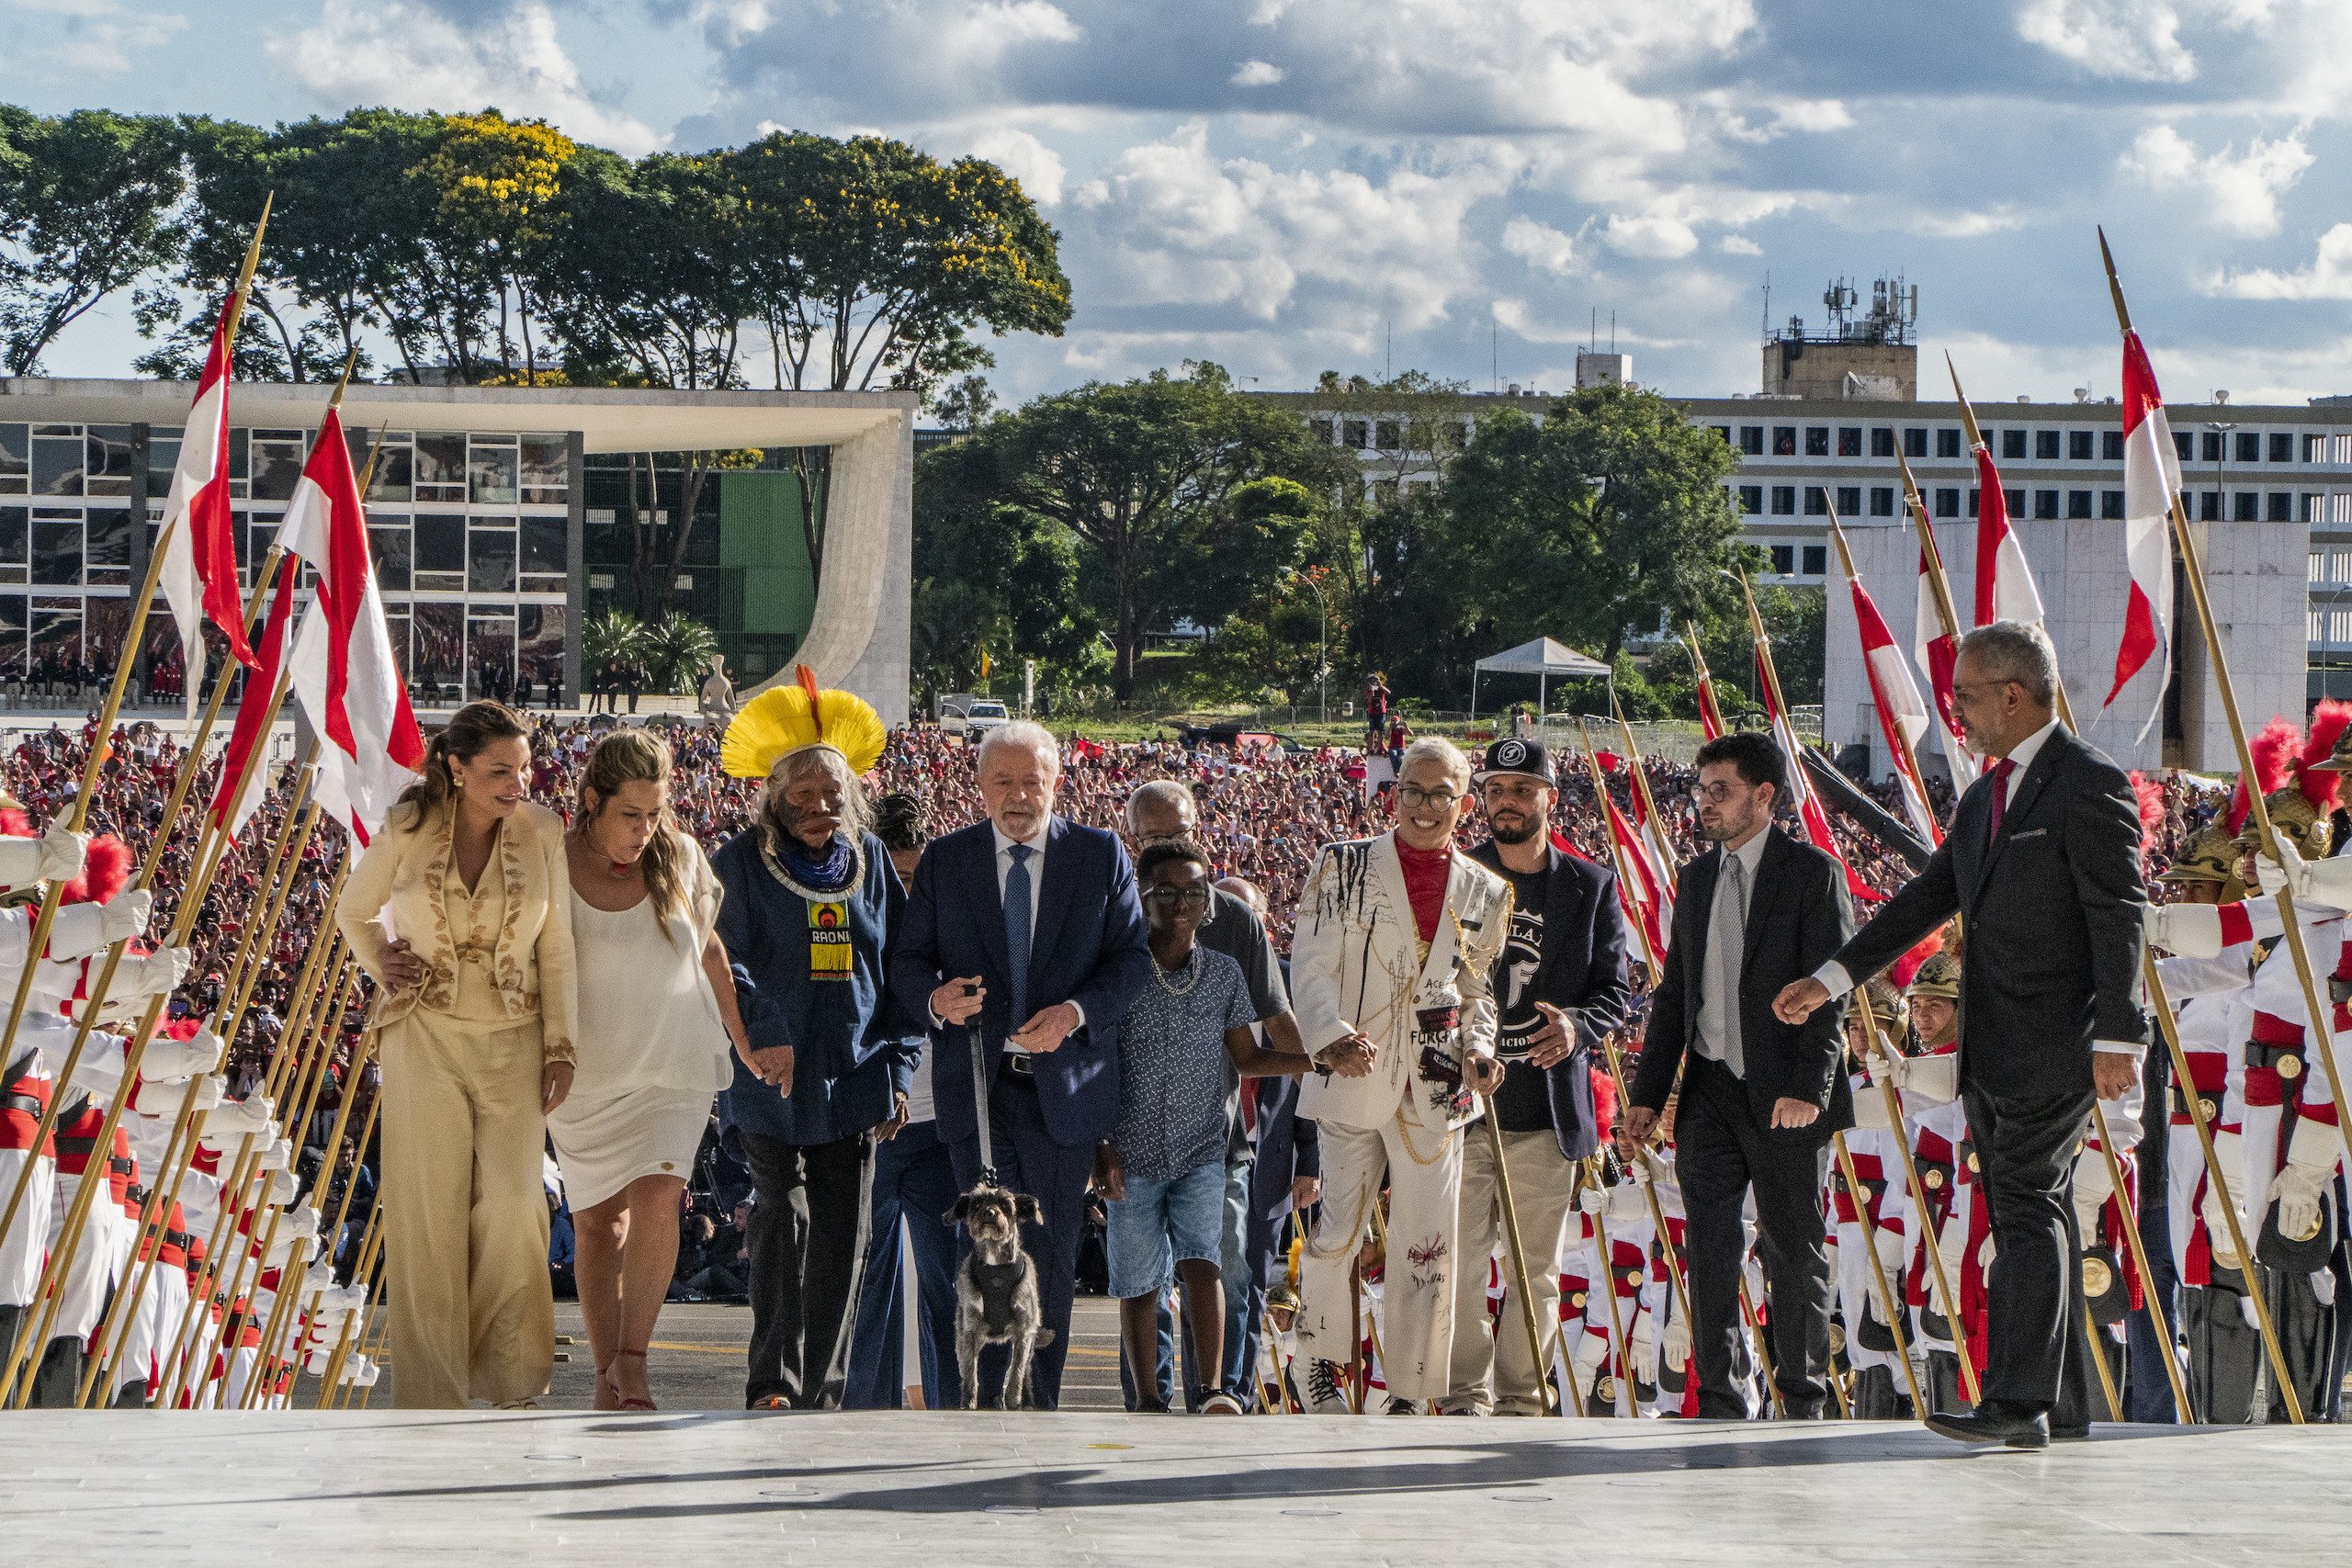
column 1514, row 755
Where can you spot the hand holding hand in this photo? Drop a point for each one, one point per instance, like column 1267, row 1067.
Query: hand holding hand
column 1351, row 1055
column 1798, row 999
column 771, row 1064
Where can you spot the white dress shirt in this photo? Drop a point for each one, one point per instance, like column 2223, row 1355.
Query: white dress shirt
column 1712, row 1009
column 1833, row 974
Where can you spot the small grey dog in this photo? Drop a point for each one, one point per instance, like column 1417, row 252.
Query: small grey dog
column 996, row 1291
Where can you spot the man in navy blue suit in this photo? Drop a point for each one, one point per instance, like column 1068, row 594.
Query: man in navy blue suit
column 1024, row 933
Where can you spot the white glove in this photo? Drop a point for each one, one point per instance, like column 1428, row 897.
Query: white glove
column 1894, row 1251
column 210, row 1089
column 1935, row 1080
column 255, row 1116
column 2303, row 1180
column 303, row 1222
column 1984, row 1255
column 2192, row 930
column 1593, row 1200
column 125, row 915
column 55, row 856
column 169, row 1061
column 2092, row 1190
column 1870, row 1110
column 1678, row 1343
column 359, row 1371
column 282, row 1188
column 149, row 973
column 322, row 1279
column 2228, row 1153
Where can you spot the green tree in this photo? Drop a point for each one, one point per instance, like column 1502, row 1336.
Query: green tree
column 615, row 636
column 677, row 653
column 645, row 277
column 1154, row 476
column 1608, row 517
column 1797, row 620
column 89, row 203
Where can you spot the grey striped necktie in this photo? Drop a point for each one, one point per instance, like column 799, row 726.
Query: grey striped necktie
column 1726, row 945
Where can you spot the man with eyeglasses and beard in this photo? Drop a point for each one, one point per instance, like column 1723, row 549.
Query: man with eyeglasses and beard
column 1559, row 984
column 1760, row 1098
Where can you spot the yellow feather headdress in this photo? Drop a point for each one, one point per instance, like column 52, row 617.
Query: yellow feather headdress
column 777, row 723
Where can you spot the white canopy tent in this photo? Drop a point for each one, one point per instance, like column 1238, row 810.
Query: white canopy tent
column 1544, row 658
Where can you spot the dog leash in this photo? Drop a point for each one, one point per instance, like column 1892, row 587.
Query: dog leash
column 981, row 1103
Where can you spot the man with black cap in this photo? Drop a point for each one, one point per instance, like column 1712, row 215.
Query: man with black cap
column 1559, row 984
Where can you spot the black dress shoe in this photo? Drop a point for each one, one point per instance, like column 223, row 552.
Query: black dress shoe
column 1992, row 1426
column 2069, row 1434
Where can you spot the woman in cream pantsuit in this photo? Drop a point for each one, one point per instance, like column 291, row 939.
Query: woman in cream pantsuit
column 461, row 910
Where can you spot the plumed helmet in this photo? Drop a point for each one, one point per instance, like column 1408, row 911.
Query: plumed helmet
column 1939, row 976
column 1886, row 1004
column 785, row 719
column 2297, row 821
column 2211, row 855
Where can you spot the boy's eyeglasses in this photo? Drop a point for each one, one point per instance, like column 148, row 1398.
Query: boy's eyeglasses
column 1197, row 897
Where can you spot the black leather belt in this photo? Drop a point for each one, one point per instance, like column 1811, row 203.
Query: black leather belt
column 2180, row 1104
column 1020, row 1064
column 2286, row 1060
column 30, row 1104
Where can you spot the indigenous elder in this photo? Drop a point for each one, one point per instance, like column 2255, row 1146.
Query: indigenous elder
column 1024, row 935
column 1163, row 1170
column 2043, row 862
column 1559, row 985
column 657, row 1012
column 812, row 901
column 1397, row 938
column 1163, row 812
column 460, row 910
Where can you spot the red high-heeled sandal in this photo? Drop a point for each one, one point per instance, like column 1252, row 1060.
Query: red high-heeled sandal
column 633, row 1404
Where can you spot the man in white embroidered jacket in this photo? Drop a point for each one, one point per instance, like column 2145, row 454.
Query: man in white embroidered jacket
column 1395, row 938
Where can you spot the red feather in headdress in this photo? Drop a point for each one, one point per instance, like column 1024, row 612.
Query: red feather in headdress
column 2273, row 750
column 15, row 823
column 104, row 871
column 2319, row 785
column 2152, row 811
column 1907, row 967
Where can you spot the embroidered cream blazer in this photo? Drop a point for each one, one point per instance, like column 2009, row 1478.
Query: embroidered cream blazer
column 394, row 893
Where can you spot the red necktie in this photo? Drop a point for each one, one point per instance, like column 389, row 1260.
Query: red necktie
column 2001, row 771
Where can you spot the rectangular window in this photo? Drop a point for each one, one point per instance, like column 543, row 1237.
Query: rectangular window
column 493, row 473
column 1320, row 429
column 1785, row 501
column 1817, row 561
column 1722, row 433
column 15, row 539
column 2013, row 446
column 1948, row 443
column 1355, row 432
column 2110, row 504
column 1751, row 440
column 2184, row 445
column 2045, row 445
column 12, row 634
column 2314, row 448
column 542, row 555
column 1883, row 441
column 58, row 462
column 2078, row 445
column 1850, row 441
column 440, row 553
column 1784, row 441
column 2282, row 446
column 57, row 554
column 2046, row 503
column 2110, row 445
column 1816, row 501
column 1849, row 501
column 2078, row 503
column 2208, row 507
column 1882, row 501
column 1915, row 442
column 16, row 462
column 490, row 561
column 388, row 544
column 1784, row 559
column 2210, row 450
column 2013, row 501
column 440, row 466
column 277, row 465
column 2282, row 507
column 1751, row 499
column 490, row 654
column 546, row 470
column 107, row 551
column 1947, row 502
column 1975, row 497
column 1388, row 435
column 1817, row 441
column 2249, row 447
column 2246, row 507
column 109, row 459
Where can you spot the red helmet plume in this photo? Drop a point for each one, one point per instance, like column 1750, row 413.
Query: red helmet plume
column 105, row 870
column 2319, row 785
column 2274, row 750
column 2151, row 796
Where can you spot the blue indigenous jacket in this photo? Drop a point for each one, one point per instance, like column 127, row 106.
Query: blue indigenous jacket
column 810, row 974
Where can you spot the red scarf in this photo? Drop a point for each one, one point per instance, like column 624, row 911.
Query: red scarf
column 1425, row 877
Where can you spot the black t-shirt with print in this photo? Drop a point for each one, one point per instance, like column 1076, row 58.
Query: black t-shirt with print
column 1522, row 1104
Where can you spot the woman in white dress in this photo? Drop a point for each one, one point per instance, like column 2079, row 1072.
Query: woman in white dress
column 656, row 1014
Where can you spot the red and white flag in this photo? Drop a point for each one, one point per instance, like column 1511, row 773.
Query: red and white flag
column 1657, row 855
column 254, row 711
column 1640, row 893
column 2005, row 590
column 1901, row 715
column 1936, row 653
column 200, row 571
column 344, row 672
column 1809, row 807
column 2151, row 478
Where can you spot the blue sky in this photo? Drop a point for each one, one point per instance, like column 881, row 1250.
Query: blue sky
column 1289, row 186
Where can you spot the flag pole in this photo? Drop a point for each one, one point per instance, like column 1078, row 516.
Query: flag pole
column 2130, row 1213
column 1904, row 756
column 2266, row 833
column 1937, row 584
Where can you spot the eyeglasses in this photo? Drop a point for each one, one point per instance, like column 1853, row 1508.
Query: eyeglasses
column 1414, row 795
column 1715, row 794
column 1196, row 898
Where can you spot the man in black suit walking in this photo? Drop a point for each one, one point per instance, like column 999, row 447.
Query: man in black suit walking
column 2042, row 864
column 1761, row 1096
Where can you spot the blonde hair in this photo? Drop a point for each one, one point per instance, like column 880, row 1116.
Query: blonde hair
column 1444, row 752
column 635, row 756
column 469, row 729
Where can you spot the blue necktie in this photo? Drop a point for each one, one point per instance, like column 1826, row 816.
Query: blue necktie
column 1016, row 931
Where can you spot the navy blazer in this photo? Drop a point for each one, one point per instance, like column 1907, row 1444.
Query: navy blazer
column 1288, row 1146
column 1088, row 946
column 1583, row 965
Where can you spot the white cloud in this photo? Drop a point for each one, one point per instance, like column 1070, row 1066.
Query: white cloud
column 1256, row 73
column 1540, row 245
column 1739, row 246
column 2328, row 277
column 99, row 34
column 2135, row 40
column 1037, row 166
column 408, row 56
column 1812, row 115
column 1660, row 238
column 2239, row 194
